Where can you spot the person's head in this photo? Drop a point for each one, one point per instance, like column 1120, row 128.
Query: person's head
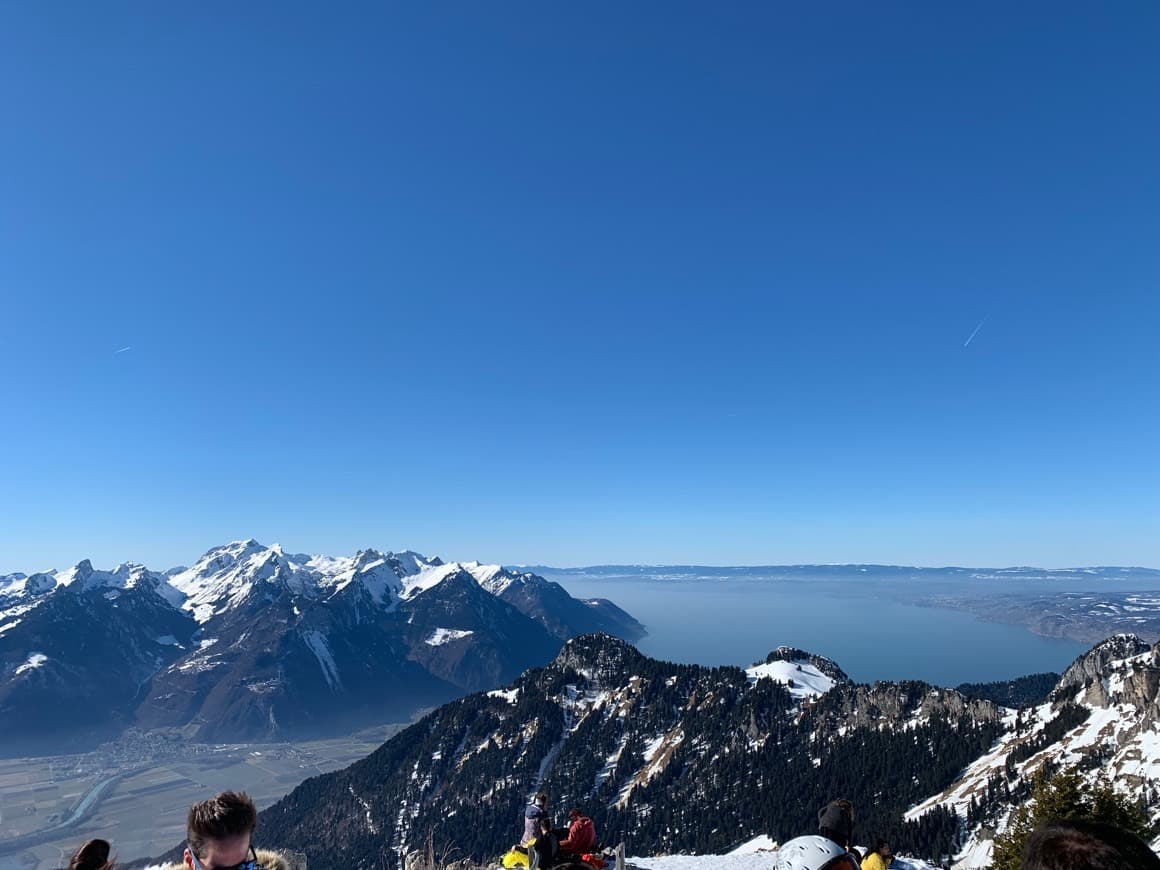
column 545, row 825
column 883, row 848
column 574, row 814
column 93, row 855
column 836, row 821
column 541, row 798
column 814, row 852
column 218, row 833
column 1081, row 844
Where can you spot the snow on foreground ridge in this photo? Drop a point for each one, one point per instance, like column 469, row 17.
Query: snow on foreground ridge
column 760, row 853
column 804, row 680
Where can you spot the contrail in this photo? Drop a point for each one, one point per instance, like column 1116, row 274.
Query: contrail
column 130, row 347
column 977, row 328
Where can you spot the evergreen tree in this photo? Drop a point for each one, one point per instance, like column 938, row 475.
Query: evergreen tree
column 1065, row 795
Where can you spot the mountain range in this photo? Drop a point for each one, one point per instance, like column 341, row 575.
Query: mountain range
column 683, row 758
column 253, row 643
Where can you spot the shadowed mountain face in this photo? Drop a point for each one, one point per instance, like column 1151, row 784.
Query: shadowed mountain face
column 253, row 643
column 670, row 757
column 74, row 659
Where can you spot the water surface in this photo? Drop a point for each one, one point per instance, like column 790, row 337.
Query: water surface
column 865, row 628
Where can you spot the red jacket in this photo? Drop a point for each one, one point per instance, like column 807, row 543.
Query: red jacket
column 581, row 836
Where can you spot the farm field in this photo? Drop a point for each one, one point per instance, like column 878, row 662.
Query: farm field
column 136, row 793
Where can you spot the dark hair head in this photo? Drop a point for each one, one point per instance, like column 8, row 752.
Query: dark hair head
column 881, row 844
column 1082, row 844
column 545, row 824
column 228, row 815
column 574, row 813
column 93, row 855
column 836, row 822
column 541, row 797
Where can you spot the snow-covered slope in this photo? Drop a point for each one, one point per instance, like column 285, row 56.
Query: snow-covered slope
column 805, row 674
column 801, row 678
column 760, row 853
column 743, row 861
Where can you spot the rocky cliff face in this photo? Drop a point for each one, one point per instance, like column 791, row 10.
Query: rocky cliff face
column 1103, row 717
column 1096, row 664
column 906, row 702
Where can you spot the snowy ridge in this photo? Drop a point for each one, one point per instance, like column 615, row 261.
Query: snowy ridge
column 21, row 594
column 227, row 575
column 803, row 679
column 127, row 575
column 494, row 578
column 428, row 577
column 13, row 586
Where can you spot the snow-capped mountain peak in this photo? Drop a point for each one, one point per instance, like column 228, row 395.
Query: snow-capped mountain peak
column 225, row 576
column 228, row 575
column 19, row 585
column 78, row 573
column 82, row 577
column 411, row 562
column 378, row 573
column 496, row 579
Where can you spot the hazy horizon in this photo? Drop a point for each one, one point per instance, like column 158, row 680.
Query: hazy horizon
column 185, row 562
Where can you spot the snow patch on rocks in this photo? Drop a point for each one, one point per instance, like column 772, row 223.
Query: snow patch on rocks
column 441, row 636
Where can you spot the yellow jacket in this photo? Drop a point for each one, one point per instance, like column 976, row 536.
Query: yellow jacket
column 874, row 861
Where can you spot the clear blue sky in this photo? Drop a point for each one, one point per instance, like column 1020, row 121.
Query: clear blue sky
column 573, row 283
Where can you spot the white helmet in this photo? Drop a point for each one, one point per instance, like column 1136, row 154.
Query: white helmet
column 814, row 853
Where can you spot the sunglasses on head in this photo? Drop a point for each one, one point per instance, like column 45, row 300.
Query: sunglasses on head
column 250, row 863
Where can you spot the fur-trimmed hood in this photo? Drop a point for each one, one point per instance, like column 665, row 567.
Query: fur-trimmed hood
column 268, row 859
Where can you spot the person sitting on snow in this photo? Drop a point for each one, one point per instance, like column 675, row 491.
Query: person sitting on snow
column 581, row 833
column 879, row 857
column 536, row 810
column 547, row 844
